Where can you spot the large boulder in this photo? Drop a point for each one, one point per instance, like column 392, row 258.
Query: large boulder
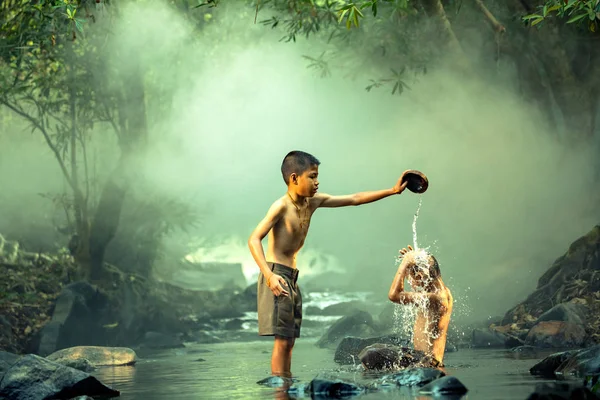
column 31, row 377
column 567, row 312
column 556, row 334
column 359, row 324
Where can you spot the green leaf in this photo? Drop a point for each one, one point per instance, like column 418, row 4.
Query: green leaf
column 576, row 18
column 532, row 16
column 537, row 21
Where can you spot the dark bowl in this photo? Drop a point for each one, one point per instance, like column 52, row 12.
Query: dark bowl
column 417, row 181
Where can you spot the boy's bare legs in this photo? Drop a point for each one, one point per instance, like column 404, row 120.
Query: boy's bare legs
column 281, row 360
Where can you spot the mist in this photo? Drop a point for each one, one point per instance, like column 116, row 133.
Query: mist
column 506, row 196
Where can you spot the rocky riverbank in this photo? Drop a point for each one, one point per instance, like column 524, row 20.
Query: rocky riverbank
column 44, row 307
column 563, row 311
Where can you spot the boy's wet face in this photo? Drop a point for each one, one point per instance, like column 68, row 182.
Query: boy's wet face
column 308, row 182
column 419, row 277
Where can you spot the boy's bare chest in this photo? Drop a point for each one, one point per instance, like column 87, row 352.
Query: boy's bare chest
column 296, row 222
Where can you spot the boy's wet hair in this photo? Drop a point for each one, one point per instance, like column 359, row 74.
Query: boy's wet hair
column 432, row 265
column 297, row 162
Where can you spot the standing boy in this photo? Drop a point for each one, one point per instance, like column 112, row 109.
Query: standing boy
column 286, row 223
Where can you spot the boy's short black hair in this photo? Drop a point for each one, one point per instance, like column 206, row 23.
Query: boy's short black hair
column 297, row 162
column 432, row 266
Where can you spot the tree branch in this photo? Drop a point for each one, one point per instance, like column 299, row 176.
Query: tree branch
column 39, row 127
column 435, row 8
column 498, row 27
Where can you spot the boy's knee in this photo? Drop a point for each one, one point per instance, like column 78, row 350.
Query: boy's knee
column 284, row 343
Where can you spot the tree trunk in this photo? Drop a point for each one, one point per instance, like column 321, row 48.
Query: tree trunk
column 132, row 141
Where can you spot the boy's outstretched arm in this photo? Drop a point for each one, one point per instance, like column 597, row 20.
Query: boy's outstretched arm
column 356, row 199
column 275, row 282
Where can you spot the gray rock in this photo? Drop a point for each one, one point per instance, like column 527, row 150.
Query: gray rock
column 567, row 312
column 350, row 347
column 33, row 378
column 6, row 361
column 97, row 356
column 445, row 386
column 557, row 334
column 482, row 338
column 547, row 367
column 333, row 388
column 384, row 356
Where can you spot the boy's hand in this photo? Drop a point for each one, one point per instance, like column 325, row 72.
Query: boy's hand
column 276, row 284
column 400, row 186
column 406, row 252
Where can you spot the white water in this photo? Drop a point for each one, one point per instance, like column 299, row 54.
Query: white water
column 414, row 224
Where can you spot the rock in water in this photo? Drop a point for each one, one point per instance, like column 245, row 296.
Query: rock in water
column 97, row 356
column 34, row 378
column 561, row 390
column 445, row 386
column 577, row 363
column 350, row 347
column 414, row 376
column 383, row 356
column 582, row 363
column 548, row 365
column 337, row 389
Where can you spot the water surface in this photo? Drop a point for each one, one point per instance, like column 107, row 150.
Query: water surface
column 231, row 370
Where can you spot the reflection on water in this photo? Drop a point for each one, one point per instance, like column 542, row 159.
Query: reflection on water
column 231, row 370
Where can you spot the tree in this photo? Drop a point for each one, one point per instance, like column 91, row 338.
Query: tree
column 54, row 75
column 557, row 62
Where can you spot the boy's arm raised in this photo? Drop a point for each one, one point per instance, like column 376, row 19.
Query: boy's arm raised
column 356, row 199
column 397, row 288
column 255, row 244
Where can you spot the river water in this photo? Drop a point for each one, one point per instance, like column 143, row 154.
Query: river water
column 230, row 370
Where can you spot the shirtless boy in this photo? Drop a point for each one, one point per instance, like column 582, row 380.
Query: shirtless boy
column 287, row 222
column 431, row 297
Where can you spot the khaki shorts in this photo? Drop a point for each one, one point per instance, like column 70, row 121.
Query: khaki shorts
column 281, row 315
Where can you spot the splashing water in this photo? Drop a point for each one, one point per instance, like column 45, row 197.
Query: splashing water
column 405, row 316
column 414, row 224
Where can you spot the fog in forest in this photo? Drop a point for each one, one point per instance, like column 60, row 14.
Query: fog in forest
column 506, row 197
